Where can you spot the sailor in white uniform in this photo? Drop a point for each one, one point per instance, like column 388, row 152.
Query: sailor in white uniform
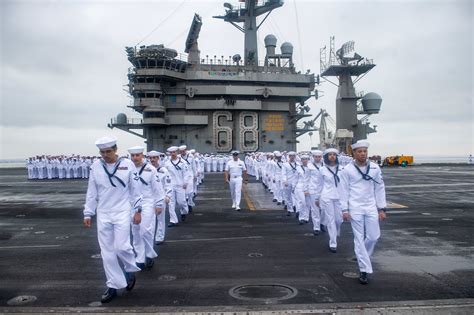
column 235, row 172
column 317, row 216
column 163, row 174
column 180, row 176
column 330, row 195
column 364, row 203
column 290, row 177
column 112, row 193
column 152, row 205
column 189, row 159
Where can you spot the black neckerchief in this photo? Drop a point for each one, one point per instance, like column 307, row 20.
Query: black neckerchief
column 187, row 156
column 294, row 168
column 110, row 175
column 278, row 163
column 302, row 167
column 140, row 173
column 365, row 175
column 315, row 165
column 336, row 177
column 176, row 166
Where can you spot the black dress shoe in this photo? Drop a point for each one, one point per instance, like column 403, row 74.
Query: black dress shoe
column 306, row 221
column 172, row 225
column 363, row 278
column 286, row 208
column 323, row 228
column 288, row 214
column 283, row 202
column 301, row 222
column 149, row 262
column 159, row 242
column 278, row 203
column 130, row 280
column 274, row 200
column 141, row 266
column 316, row 232
column 333, row 249
column 108, row 295
column 190, row 209
column 183, row 217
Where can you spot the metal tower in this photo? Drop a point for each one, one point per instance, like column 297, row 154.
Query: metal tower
column 248, row 15
column 344, row 65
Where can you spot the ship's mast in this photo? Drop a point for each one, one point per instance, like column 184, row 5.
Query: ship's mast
column 248, row 15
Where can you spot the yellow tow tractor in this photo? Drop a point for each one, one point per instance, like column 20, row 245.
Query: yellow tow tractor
column 398, row 160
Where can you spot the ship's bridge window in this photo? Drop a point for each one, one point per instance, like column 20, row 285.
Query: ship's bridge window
column 153, row 115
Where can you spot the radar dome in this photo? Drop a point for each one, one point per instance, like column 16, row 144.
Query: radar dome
column 121, row 118
column 270, row 40
column 371, row 103
column 236, row 58
column 286, row 48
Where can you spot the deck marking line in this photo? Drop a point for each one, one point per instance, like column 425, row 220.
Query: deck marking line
column 216, row 239
column 29, row 246
column 247, row 199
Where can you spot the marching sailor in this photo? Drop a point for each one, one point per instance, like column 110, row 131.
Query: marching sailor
column 113, row 191
column 165, row 179
column 234, row 170
column 152, row 205
column 330, row 195
column 189, row 159
column 314, row 183
column 363, row 203
column 180, row 176
column 290, row 176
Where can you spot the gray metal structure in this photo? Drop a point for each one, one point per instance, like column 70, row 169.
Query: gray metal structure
column 218, row 103
column 344, row 64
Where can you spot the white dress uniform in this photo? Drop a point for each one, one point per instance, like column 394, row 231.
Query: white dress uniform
column 235, row 170
column 302, row 186
column 113, row 191
column 364, row 194
column 277, row 175
column 180, row 175
column 189, row 159
column 330, row 201
column 290, row 176
column 315, row 181
column 165, row 178
column 153, row 197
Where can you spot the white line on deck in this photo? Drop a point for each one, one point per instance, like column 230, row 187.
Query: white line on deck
column 216, row 239
column 29, row 246
column 430, row 185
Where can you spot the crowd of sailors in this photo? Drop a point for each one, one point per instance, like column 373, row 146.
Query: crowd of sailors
column 134, row 194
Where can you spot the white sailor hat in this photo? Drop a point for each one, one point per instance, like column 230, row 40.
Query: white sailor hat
column 172, row 149
column 182, row 147
column 360, row 144
column 304, row 157
column 331, row 150
column 192, row 151
column 277, row 153
column 292, row 153
column 136, row 149
column 106, row 142
column 317, row 152
column 153, row 153
column 235, row 152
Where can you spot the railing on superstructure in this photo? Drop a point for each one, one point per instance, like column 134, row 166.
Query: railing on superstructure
column 222, row 64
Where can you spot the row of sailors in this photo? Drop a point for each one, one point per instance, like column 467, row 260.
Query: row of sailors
column 134, row 194
column 60, row 167
column 317, row 186
column 49, row 167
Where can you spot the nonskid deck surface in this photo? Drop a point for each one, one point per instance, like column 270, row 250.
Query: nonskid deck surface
column 221, row 259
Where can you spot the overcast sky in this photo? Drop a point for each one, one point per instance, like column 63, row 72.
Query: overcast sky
column 63, row 66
